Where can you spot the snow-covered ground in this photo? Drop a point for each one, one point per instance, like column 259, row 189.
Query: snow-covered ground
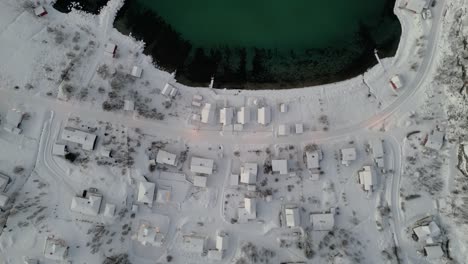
column 56, row 70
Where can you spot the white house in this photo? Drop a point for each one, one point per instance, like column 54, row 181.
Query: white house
column 109, row 210
column 283, row 130
column 427, row 232
column 367, row 178
column 264, row 115
column 88, row 204
column 226, row 115
column 248, row 211
column 201, row 165
column 243, row 115
column 164, row 157
column 435, row 140
column 378, row 152
column 55, row 249
column 207, row 114
column 348, row 155
column 433, row 251
column 194, row 243
column 59, row 149
column 136, row 72
column 200, row 180
column 146, row 193
column 416, row 6
column 280, row 166
column 322, row 222
column 13, row 120
column 149, row 235
column 111, row 49
column 249, row 173
column 313, row 159
column 84, row 139
column 292, row 217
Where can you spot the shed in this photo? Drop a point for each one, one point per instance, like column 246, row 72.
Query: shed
column 299, row 128
column 221, row 241
column 4, row 199
column 136, row 72
column 207, row 114
column 166, row 90
column 367, row 178
column 280, row 166
column 200, row 181
column 164, row 157
column 226, row 115
column 264, row 115
column 146, row 193
column 40, row 11
column 111, row 49
column 4, row 180
column 129, row 105
column 435, row 140
column 14, row 118
column 416, row 6
column 322, row 222
column 109, row 210
column 201, row 165
column 292, row 217
column 234, row 179
column 173, row 92
column 283, row 108
column 243, row 115
column 433, row 251
column 59, row 149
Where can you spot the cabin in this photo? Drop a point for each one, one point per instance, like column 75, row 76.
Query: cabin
column 146, row 193
column 264, row 115
column 87, row 204
column 40, row 11
column 85, row 140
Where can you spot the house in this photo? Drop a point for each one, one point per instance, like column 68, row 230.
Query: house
column 427, row 232
column 196, row 117
column 313, row 159
column 173, row 92
column 221, row 241
column 249, row 173
column 283, row 130
column 163, row 195
column 292, row 217
column 111, row 49
column 85, row 140
column 367, row 178
column 435, row 140
column 136, row 72
column 164, row 157
column 248, row 211
column 149, row 235
column 201, row 166
column 264, row 115
column 243, row 115
column 234, row 180
column 280, row 166
column 200, row 180
column 378, row 152
column 55, row 249
column 433, row 251
column 4, row 180
column 416, row 6
column 109, row 210
column 40, row 11
column 106, row 153
column 166, row 90
column 59, row 149
column 129, row 105
column 193, row 243
column 348, row 155
column 146, row 193
column 395, row 82
column 215, row 254
column 87, row 204
column 13, row 121
column 226, row 115
column 4, row 199
column 299, row 128
column 322, row 221
column 207, row 114
column 283, row 108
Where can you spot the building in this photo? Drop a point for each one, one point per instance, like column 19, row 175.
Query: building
column 378, row 152
column 200, row 180
column 4, row 180
column 215, row 254
column 55, row 249
column 322, row 222
column 146, row 193
column 106, row 153
column 4, row 199
column 427, row 232
column 201, row 166
column 416, row 6
column 111, row 49
column 435, row 140
column 85, row 140
column 264, row 115
column 292, row 217
column 299, row 128
column 234, row 179
column 129, row 105
column 87, row 204
column 196, row 103
column 248, row 210
column 283, row 130
column 433, row 251
column 221, row 241
column 163, row 195
column 193, row 243
column 348, row 155
column 280, row 166
column 243, row 115
column 166, row 90
column 396, row 83
column 313, row 159
column 136, row 72
column 283, row 108
column 197, row 97
column 109, row 210
column 40, row 11
column 13, row 121
column 249, row 173
column 226, row 115
column 207, row 114
column 367, row 178
column 164, row 157
column 173, row 92
column 59, row 149
column 149, row 235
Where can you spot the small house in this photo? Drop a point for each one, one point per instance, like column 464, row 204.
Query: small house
column 59, row 149
column 348, row 155
column 193, row 243
column 226, row 115
column 86, row 140
column 111, row 49
column 234, row 179
column 201, row 166
column 280, row 166
column 207, row 114
column 322, row 221
column 146, row 193
column 264, row 115
column 243, row 115
column 164, row 157
column 136, row 72
column 299, row 128
column 292, row 217
column 40, row 11
column 55, row 249
column 87, row 204
column 283, row 130
column 247, row 210
column 367, row 178
column 249, row 174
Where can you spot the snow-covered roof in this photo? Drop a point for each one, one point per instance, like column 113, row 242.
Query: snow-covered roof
column 13, row 120
column 149, row 235
column 248, row 211
column 129, row 105
column 433, row 252
column 226, row 115
column 234, row 180
column 201, row 165
column 3, row 181
column 366, row 178
column 3, row 200
column 166, row 90
column 215, row 254
column 435, row 140
column 109, row 210
column 163, row 195
column 292, row 217
column 200, row 181
column 283, row 130
column 110, row 48
column 280, row 166
column 146, row 192
column 164, row 157
column 243, row 115
column 283, row 108
column 299, row 128
column 249, row 173
column 347, row 155
column 194, row 243
column 89, row 205
column 207, row 114
column 221, row 242
column 59, row 149
column 426, row 232
column 173, row 92
column 264, row 115
column 322, row 222
column 136, row 71
column 377, row 148
column 40, row 11
column 84, row 139
column 55, row 249
column 313, row 159
column 197, row 97
column 416, row 6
